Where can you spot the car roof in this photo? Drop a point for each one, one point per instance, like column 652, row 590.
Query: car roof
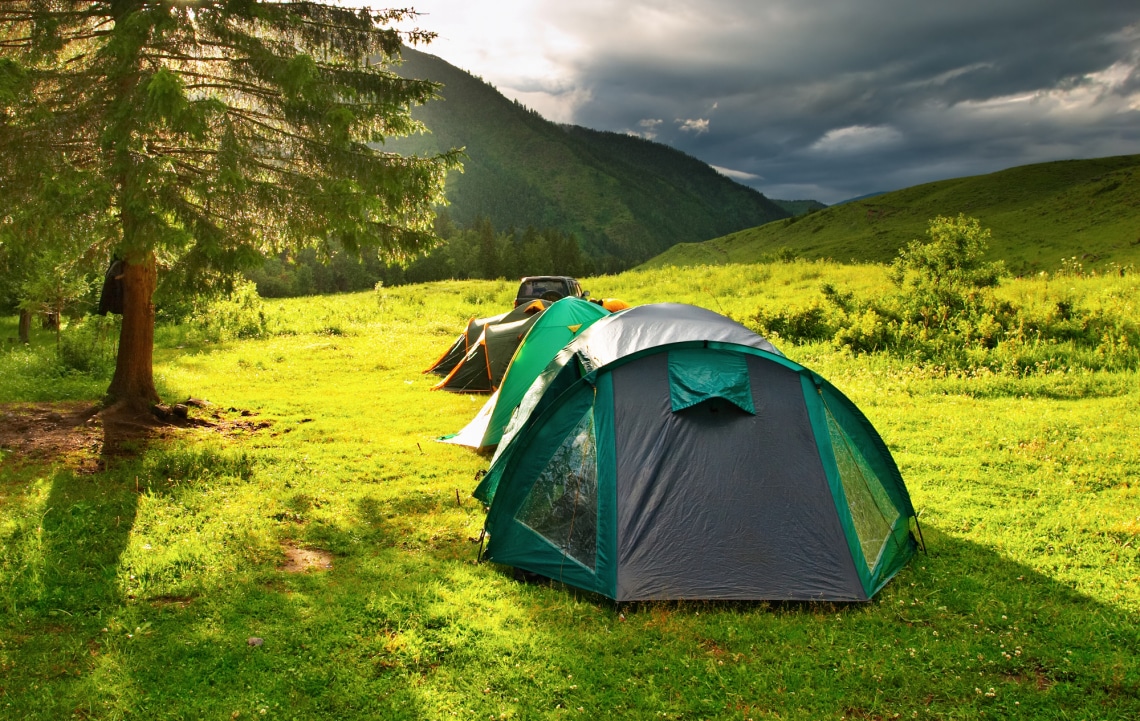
column 547, row 277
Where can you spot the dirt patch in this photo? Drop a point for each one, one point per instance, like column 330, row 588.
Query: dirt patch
column 300, row 560
column 46, row 431
column 82, row 435
column 1041, row 680
column 1038, row 677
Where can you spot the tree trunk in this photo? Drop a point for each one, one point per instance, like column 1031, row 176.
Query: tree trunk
column 133, row 383
column 25, row 326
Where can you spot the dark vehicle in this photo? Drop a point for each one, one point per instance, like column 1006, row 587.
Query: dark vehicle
column 548, row 287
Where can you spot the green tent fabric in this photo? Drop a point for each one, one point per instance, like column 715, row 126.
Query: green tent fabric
column 696, row 376
column 550, row 333
column 669, row 453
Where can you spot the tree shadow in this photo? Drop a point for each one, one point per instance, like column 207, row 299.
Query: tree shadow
column 400, row 628
column 961, row 632
column 68, row 545
column 86, row 527
column 59, row 575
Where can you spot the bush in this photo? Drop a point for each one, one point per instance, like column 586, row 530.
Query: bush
column 238, row 314
column 944, row 312
column 867, row 332
column 90, row 345
column 241, row 314
column 812, row 323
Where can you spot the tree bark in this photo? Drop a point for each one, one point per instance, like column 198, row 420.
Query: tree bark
column 133, row 383
column 25, row 326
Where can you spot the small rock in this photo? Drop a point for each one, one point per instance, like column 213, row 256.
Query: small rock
column 246, row 413
column 255, row 641
column 180, row 410
column 197, row 402
column 161, row 410
column 54, row 417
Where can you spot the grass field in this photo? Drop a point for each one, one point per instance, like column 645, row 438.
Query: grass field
column 132, row 587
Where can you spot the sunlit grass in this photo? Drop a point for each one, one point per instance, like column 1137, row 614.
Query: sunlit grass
column 133, row 592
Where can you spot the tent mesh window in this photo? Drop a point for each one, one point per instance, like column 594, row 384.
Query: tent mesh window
column 563, row 503
column 871, row 509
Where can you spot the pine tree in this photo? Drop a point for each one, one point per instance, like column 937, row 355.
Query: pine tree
column 200, row 135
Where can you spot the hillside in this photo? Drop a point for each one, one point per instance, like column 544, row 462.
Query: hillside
column 1039, row 215
column 622, row 196
column 799, row 207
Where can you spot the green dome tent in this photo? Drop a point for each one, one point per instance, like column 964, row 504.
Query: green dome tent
column 554, row 329
column 668, row 452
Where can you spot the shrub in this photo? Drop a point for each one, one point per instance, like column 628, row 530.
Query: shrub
column 812, row 323
column 944, row 312
column 952, row 262
column 236, row 314
column 866, row 332
column 90, row 345
column 240, row 314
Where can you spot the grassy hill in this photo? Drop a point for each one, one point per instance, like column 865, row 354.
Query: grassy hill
column 621, row 195
column 1039, row 214
column 799, row 207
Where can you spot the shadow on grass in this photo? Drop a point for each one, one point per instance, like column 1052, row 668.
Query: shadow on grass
column 61, row 559
column 85, row 529
column 962, row 632
column 399, row 629
column 71, row 548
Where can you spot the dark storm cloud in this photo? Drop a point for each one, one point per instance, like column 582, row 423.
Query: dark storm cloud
column 832, row 99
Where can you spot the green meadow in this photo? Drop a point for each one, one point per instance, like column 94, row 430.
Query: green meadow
column 156, row 584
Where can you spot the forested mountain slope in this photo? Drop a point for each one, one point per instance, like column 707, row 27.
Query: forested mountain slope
column 622, row 196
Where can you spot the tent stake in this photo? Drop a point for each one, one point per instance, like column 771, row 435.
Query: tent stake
column 482, row 535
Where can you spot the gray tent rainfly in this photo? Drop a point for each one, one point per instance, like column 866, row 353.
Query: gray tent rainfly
column 669, row 453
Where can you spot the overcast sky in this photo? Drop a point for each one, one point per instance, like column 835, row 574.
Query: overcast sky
column 824, row 99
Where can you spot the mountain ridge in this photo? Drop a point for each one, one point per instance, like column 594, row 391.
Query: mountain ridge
column 625, row 198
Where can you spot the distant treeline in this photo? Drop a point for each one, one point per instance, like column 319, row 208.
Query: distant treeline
column 475, row 251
